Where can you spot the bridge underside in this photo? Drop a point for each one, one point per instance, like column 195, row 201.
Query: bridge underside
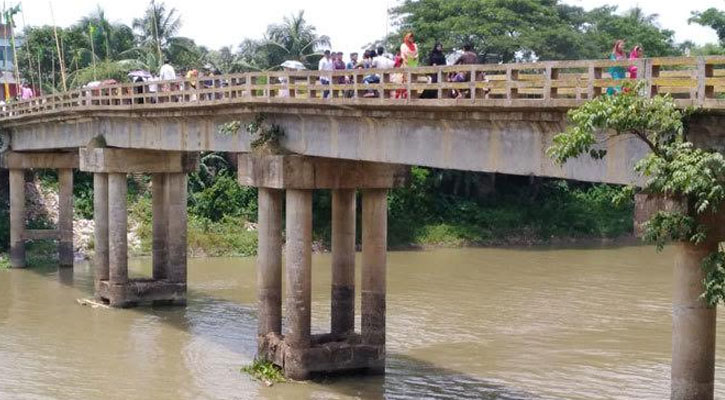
column 509, row 142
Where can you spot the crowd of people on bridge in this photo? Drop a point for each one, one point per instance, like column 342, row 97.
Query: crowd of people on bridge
column 408, row 55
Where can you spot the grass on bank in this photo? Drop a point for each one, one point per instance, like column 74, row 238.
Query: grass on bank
column 265, row 372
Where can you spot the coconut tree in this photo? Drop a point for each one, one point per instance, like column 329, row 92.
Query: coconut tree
column 293, row 39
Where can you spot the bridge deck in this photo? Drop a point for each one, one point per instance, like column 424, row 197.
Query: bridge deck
column 692, row 81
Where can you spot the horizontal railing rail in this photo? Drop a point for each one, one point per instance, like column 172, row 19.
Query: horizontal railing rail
column 691, row 81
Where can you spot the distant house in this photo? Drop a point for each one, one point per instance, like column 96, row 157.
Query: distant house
column 7, row 62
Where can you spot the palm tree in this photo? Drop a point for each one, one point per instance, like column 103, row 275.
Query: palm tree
column 108, row 38
column 158, row 27
column 294, row 39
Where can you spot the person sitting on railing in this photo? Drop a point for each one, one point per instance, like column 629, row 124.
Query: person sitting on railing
column 469, row 57
column 617, row 72
column 379, row 62
column 636, row 53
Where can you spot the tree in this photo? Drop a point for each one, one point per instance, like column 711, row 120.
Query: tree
column 526, row 29
column 691, row 177
column 713, row 18
column 294, row 39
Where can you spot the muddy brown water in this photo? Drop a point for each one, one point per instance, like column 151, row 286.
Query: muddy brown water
column 588, row 323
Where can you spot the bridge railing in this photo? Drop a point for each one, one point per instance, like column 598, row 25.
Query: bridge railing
column 695, row 81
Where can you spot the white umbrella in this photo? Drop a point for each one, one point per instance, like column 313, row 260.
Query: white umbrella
column 293, row 64
column 139, row 74
column 453, row 57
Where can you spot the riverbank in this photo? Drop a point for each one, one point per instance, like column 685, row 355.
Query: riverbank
column 434, row 211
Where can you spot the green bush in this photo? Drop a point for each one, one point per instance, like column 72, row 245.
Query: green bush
column 227, row 237
column 225, row 198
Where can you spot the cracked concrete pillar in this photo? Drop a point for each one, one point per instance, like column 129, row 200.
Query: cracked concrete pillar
column 160, row 201
column 176, row 208
column 374, row 259
column 100, row 218
column 117, row 230
column 693, row 326
column 269, row 261
column 342, row 307
column 65, row 217
column 298, row 266
column 17, row 218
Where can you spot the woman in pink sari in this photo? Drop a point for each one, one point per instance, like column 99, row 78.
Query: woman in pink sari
column 633, row 55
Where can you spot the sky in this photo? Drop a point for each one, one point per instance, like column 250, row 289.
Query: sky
column 217, row 23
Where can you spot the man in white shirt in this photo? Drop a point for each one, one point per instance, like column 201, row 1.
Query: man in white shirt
column 167, row 72
column 326, row 64
column 382, row 62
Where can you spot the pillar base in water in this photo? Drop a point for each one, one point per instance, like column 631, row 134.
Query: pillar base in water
column 327, row 354
column 137, row 291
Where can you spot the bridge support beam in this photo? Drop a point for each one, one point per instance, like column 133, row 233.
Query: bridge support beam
column 342, row 307
column 693, row 326
column 17, row 218
column 169, row 185
column 18, row 163
column 298, row 352
column 100, row 238
column 693, row 321
column 269, row 261
column 65, row 217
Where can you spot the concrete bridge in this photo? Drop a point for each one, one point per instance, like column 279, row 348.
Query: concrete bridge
column 343, row 137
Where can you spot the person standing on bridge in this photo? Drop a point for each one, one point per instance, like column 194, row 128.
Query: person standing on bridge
column 636, row 53
column 618, row 54
column 409, row 51
column 325, row 64
column 167, row 73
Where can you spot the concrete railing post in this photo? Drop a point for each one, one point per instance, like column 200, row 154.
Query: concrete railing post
column 343, row 261
column 17, row 218
column 160, row 225
column 65, row 217
column 117, row 237
column 100, row 217
column 693, row 327
column 374, row 262
column 269, row 261
column 177, row 245
column 298, row 266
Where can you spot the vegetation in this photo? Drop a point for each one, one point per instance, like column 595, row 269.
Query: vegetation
column 517, row 211
column 548, row 30
column 676, row 169
column 265, row 372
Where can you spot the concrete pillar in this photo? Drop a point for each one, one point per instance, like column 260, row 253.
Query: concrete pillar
column 269, row 261
column 100, row 218
column 65, row 217
column 374, row 259
column 343, row 262
column 117, row 229
column 176, row 186
column 17, row 218
column 693, row 326
column 160, row 201
column 298, row 266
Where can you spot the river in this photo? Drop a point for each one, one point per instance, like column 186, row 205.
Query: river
column 462, row 324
